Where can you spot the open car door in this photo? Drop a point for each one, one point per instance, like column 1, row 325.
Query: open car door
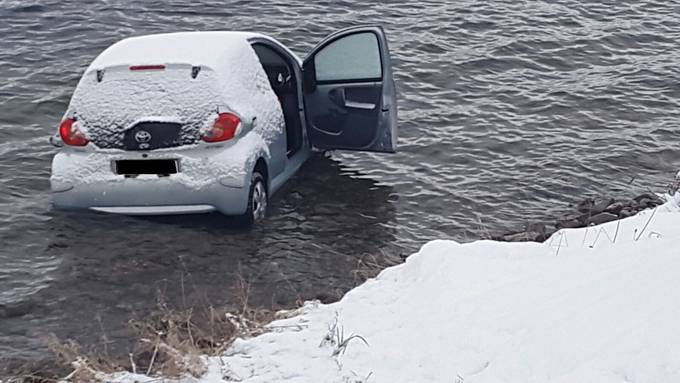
column 349, row 92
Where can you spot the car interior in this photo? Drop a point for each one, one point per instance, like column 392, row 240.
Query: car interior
column 282, row 79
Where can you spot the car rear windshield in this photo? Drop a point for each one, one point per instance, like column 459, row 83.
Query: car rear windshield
column 109, row 102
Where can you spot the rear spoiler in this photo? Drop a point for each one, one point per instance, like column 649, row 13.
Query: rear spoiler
column 195, row 69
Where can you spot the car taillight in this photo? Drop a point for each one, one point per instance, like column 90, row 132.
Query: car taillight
column 70, row 134
column 223, row 129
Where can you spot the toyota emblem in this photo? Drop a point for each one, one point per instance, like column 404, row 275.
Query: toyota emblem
column 142, row 136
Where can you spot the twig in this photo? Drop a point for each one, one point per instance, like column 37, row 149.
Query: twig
column 153, row 359
column 132, row 364
column 616, row 234
column 559, row 244
column 184, row 300
column 104, row 337
column 191, row 336
column 597, row 237
column 37, row 378
column 212, row 323
column 482, row 227
column 583, row 243
column 343, row 346
column 69, row 376
column 647, row 223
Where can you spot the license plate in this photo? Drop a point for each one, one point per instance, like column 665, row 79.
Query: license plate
column 135, row 167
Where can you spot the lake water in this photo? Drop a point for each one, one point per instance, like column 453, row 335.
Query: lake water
column 509, row 112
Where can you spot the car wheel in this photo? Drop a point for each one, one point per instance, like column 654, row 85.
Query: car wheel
column 257, row 200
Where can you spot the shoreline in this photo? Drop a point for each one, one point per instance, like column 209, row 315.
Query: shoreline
column 244, row 328
column 588, row 212
column 462, row 310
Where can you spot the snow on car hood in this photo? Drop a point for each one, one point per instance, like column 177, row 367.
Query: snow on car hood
column 230, row 79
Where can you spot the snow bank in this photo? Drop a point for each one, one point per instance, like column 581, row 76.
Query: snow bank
column 596, row 304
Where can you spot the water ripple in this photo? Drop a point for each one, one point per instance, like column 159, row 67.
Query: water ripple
column 509, row 111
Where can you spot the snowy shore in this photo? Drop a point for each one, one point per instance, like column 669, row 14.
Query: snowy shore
column 596, row 304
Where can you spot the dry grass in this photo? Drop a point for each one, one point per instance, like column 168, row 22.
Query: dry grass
column 173, row 342
column 169, row 343
column 35, row 372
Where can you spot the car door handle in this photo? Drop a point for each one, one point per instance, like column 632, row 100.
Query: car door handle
column 339, row 98
column 359, row 105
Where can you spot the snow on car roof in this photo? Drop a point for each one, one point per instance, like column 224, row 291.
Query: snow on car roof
column 231, row 79
column 214, row 49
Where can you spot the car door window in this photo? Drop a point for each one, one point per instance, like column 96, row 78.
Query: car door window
column 352, row 58
column 349, row 93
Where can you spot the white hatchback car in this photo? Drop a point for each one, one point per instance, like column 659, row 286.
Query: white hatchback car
column 217, row 121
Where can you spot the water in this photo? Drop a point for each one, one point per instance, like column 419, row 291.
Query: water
column 509, row 111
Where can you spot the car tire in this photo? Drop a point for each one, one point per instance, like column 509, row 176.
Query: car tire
column 258, row 199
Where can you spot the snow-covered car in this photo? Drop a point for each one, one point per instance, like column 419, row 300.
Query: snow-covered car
column 196, row 122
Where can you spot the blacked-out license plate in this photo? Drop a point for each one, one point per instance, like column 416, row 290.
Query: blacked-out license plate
column 134, row 167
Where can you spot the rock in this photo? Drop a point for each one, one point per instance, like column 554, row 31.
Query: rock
column 593, row 206
column 549, row 232
column 536, row 228
column 590, row 211
column 615, row 207
column 641, row 196
column 327, row 297
column 494, row 237
column 601, row 205
column 602, row 218
column 655, row 199
column 656, row 202
column 568, row 224
column 573, row 220
column 645, row 201
column 525, row 236
column 534, row 232
column 585, row 206
column 627, row 212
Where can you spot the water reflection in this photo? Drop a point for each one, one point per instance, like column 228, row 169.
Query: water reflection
column 111, row 267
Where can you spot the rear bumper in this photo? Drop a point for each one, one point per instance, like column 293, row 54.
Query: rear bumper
column 87, row 181
column 152, row 197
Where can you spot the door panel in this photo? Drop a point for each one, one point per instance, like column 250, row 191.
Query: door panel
column 349, row 92
column 343, row 106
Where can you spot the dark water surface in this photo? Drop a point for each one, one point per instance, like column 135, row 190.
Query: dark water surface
column 509, row 111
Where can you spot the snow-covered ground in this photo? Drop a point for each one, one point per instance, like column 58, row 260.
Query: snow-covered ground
column 589, row 305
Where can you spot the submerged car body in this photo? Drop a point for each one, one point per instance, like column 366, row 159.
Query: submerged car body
column 216, row 121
